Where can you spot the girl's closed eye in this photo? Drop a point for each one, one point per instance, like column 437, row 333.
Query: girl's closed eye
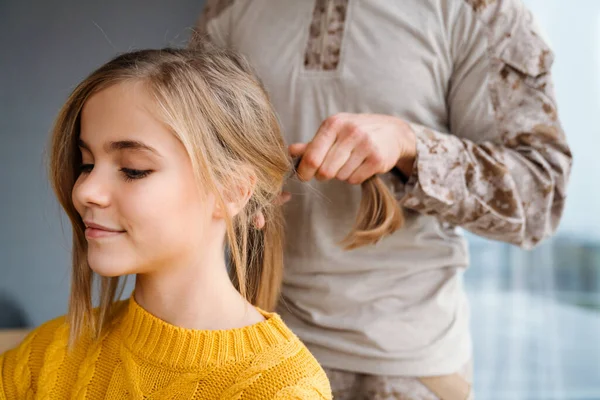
column 128, row 173
column 131, row 174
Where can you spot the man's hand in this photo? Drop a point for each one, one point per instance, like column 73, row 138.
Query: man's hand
column 354, row 147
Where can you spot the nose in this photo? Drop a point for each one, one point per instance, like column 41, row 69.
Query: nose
column 92, row 190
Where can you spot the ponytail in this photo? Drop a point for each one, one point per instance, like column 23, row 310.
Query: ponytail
column 379, row 215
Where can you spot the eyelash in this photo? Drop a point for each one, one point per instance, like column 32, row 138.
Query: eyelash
column 129, row 174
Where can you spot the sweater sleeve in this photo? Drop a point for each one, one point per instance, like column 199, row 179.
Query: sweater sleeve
column 505, row 179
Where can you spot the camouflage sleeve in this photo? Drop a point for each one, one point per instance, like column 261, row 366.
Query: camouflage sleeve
column 505, row 180
column 205, row 28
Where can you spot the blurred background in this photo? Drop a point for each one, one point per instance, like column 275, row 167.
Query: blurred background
column 535, row 315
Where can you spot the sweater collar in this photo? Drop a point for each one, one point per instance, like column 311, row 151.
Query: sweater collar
column 154, row 340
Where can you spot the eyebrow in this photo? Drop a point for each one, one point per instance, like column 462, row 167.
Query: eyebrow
column 123, row 145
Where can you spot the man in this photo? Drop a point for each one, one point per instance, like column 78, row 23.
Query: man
column 452, row 102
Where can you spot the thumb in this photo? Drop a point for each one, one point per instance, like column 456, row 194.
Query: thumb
column 297, row 149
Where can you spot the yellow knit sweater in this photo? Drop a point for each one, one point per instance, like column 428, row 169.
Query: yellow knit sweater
column 143, row 357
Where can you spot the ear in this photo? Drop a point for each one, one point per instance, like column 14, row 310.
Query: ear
column 236, row 198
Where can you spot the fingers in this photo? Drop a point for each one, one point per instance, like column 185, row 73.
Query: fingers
column 345, row 149
column 356, row 159
column 297, row 149
column 366, row 170
column 317, row 149
column 341, row 149
column 335, row 159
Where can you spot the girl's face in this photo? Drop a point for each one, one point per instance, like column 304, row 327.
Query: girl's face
column 136, row 192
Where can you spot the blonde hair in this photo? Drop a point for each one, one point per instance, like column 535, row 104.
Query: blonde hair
column 379, row 215
column 214, row 104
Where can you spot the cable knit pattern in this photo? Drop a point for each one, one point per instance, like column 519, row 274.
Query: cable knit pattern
column 260, row 364
column 143, row 357
column 22, row 373
column 55, row 356
column 306, row 388
column 86, row 373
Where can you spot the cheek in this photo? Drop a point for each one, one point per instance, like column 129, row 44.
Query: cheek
column 163, row 212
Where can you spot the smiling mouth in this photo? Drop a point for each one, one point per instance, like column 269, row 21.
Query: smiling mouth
column 95, row 231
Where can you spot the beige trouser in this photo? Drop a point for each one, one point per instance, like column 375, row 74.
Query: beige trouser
column 354, row 386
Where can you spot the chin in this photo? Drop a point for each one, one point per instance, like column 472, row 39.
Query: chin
column 108, row 265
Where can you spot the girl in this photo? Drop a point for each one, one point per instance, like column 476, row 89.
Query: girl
column 161, row 159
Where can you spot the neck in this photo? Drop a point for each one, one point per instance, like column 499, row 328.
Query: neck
column 197, row 296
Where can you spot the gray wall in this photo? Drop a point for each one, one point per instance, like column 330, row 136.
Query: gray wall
column 47, row 47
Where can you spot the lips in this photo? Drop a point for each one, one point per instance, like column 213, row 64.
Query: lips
column 97, row 231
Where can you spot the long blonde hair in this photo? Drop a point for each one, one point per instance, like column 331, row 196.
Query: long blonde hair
column 214, row 104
